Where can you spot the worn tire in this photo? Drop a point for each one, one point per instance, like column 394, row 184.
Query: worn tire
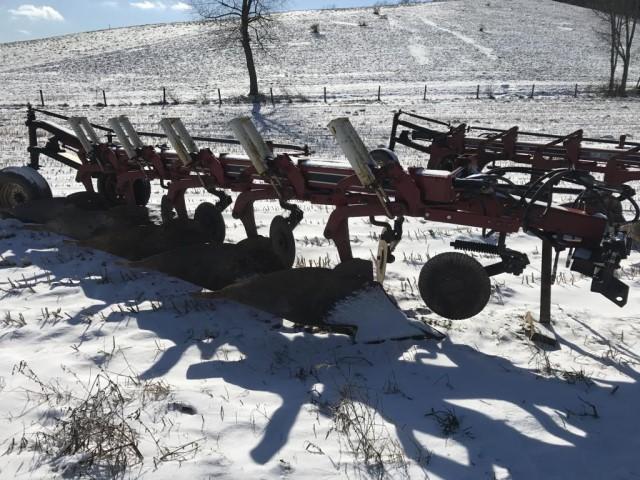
column 212, row 221
column 21, row 184
column 282, row 241
column 454, row 285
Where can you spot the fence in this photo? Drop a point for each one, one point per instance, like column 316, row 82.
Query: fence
column 165, row 96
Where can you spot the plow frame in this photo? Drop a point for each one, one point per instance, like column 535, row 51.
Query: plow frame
column 443, row 192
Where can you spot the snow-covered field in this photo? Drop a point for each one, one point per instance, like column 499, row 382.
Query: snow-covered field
column 216, row 390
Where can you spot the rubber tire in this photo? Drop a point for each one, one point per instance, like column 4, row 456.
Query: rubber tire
column 18, row 185
column 167, row 213
column 142, row 191
column 454, row 285
column 211, row 219
column 282, row 241
column 107, row 188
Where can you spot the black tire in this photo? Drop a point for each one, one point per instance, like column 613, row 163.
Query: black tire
column 282, row 241
column 167, row 212
column 142, row 191
column 21, row 184
column 107, row 187
column 107, row 184
column 211, row 220
column 454, row 285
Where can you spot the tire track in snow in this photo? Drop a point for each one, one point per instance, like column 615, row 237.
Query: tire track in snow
column 482, row 49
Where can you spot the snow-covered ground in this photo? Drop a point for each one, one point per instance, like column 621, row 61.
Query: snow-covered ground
column 216, row 390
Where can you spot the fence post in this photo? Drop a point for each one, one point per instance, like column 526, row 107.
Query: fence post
column 164, row 96
column 41, row 98
column 325, row 94
column 379, row 88
column 104, row 97
column 478, row 92
column 575, row 93
column 424, row 97
column 219, row 98
column 533, row 89
column 272, row 100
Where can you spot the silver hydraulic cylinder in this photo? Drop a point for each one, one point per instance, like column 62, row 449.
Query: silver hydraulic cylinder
column 85, row 133
column 179, row 138
column 123, row 138
column 359, row 157
column 130, row 131
column 252, row 142
column 354, row 149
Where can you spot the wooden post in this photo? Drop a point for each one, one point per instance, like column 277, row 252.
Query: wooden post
column 424, row 97
column 219, row 98
column 533, row 89
column 164, row 96
column 104, row 97
column 272, row 100
column 325, row 94
column 379, row 89
column 478, row 92
column 575, row 93
column 545, row 283
column 41, row 98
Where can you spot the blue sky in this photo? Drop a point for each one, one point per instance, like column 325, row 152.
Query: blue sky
column 28, row 19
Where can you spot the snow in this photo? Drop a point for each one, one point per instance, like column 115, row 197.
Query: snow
column 470, row 41
column 268, row 399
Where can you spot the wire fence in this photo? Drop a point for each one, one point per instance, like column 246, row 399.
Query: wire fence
column 362, row 93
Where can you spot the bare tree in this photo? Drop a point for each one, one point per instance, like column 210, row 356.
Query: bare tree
column 247, row 22
column 610, row 35
column 628, row 22
column 621, row 18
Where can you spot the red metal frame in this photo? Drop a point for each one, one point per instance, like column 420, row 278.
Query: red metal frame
column 620, row 165
column 437, row 195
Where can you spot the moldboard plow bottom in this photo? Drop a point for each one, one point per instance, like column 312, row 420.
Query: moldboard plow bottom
column 345, row 299
column 573, row 196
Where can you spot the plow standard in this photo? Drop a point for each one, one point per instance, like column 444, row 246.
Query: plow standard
column 566, row 190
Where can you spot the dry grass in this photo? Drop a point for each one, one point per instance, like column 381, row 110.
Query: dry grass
column 366, row 437
column 97, row 433
column 94, row 436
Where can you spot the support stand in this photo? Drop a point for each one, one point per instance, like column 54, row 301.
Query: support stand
column 545, row 283
column 540, row 332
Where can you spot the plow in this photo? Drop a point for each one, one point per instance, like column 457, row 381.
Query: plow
column 570, row 191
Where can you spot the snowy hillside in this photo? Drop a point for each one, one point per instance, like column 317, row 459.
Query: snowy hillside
column 445, row 44
column 212, row 389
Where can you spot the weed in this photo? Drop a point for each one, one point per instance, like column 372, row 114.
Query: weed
column 449, row 422
column 576, row 376
column 10, row 321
